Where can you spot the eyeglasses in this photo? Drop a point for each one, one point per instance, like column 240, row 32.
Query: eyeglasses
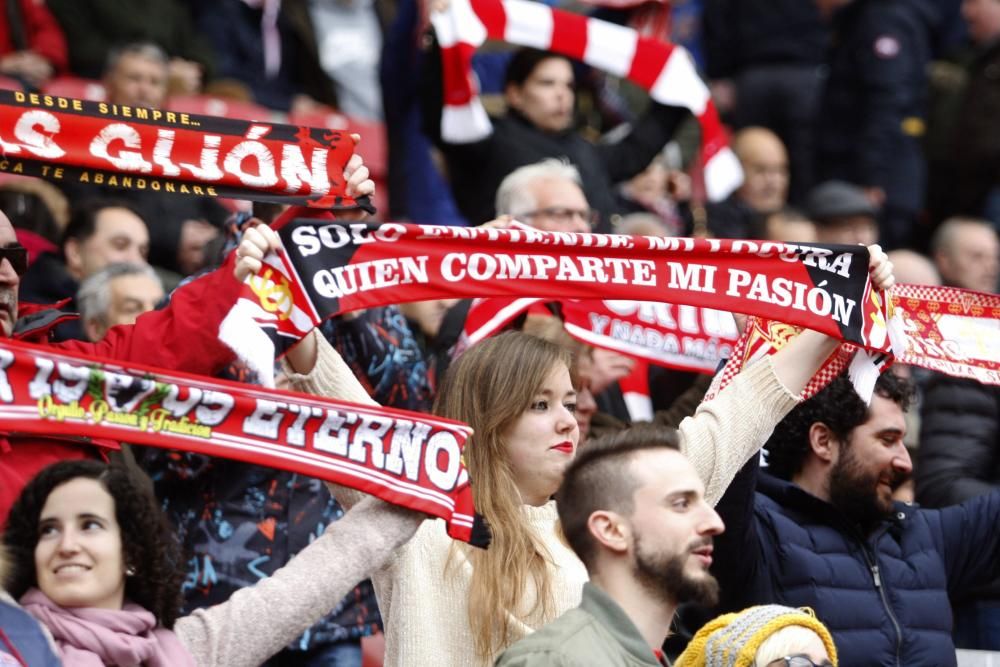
column 798, row 660
column 564, row 215
column 17, row 255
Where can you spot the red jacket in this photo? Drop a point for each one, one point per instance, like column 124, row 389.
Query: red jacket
column 183, row 337
column 42, row 34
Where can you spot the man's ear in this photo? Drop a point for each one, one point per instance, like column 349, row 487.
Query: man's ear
column 74, row 256
column 823, row 442
column 512, row 95
column 94, row 329
column 610, row 530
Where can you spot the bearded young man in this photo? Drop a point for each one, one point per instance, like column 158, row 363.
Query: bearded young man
column 820, row 529
column 633, row 509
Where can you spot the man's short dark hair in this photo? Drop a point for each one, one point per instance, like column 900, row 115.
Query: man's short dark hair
column 839, row 407
column 83, row 221
column 599, row 479
column 524, row 63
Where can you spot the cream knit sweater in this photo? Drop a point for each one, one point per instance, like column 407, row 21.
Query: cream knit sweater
column 425, row 609
column 257, row 622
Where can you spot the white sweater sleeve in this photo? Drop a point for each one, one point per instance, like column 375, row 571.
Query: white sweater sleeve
column 256, row 622
column 725, row 432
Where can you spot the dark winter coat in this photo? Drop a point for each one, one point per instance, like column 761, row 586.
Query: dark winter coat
column 884, row 596
column 872, row 111
column 959, row 455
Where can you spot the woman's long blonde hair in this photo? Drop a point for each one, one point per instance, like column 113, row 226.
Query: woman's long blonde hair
column 489, row 387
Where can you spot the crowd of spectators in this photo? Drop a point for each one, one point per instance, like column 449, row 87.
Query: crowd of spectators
column 614, row 541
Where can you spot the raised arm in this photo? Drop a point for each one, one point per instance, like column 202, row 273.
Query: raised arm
column 738, row 556
column 258, row 621
column 726, row 431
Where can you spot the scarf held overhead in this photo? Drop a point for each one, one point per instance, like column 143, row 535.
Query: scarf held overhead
column 665, row 70
column 944, row 329
column 114, row 145
column 326, row 268
column 949, row 330
column 408, row 459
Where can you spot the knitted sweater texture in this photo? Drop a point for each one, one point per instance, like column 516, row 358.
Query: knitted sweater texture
column 257, row 622
column 424, row 602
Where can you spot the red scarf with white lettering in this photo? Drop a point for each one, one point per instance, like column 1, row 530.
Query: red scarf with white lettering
column 665, row 70
column 406, row 458
column 944, row 329
column 327, row 267
column 134, row 148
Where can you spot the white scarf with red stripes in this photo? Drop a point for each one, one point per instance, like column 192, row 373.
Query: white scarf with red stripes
column 665, row 70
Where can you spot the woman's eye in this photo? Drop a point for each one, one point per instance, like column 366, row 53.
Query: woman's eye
column 90, row 524
column 46, row 530
column 540, row 405
column 571, row 407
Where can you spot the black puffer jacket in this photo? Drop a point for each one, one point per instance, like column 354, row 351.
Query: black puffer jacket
column 884, row 596
column 959, row 455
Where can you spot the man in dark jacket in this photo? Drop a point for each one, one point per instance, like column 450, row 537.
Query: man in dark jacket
column 822, row 531
column 960, row 459
column 765, row 61
column 539, row 92
column 960, row 421
column 764, row 190
column 872, row 109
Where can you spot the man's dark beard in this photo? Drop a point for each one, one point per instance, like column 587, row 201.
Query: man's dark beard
column 664, row 576
column 854, row 491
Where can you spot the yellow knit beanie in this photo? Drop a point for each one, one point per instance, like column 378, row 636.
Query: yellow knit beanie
column 732, row 640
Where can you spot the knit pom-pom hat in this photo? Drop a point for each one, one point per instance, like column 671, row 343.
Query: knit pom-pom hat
column 732, row 640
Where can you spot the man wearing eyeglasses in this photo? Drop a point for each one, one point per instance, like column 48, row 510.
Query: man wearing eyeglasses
column 547, row 195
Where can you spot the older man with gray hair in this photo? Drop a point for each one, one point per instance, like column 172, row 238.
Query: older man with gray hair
column 117, row 294
column 548, row 196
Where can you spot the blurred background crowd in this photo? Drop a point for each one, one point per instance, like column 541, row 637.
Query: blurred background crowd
column 855, row 121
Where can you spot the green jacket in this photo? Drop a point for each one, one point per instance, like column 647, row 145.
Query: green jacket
column 598, row 632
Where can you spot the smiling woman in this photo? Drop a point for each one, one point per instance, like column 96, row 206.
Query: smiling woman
column 78, row 558
column 95, row 561
column 79, row 527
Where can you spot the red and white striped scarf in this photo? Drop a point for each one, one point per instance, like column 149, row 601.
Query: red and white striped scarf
column 665, row 70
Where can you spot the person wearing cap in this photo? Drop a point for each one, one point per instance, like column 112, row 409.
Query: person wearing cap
column 842, row 213
column 763, row 636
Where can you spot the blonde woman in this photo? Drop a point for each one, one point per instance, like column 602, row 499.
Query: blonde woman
column 448, row 604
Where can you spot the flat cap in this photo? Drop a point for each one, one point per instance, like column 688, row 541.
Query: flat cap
column 838, row 199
